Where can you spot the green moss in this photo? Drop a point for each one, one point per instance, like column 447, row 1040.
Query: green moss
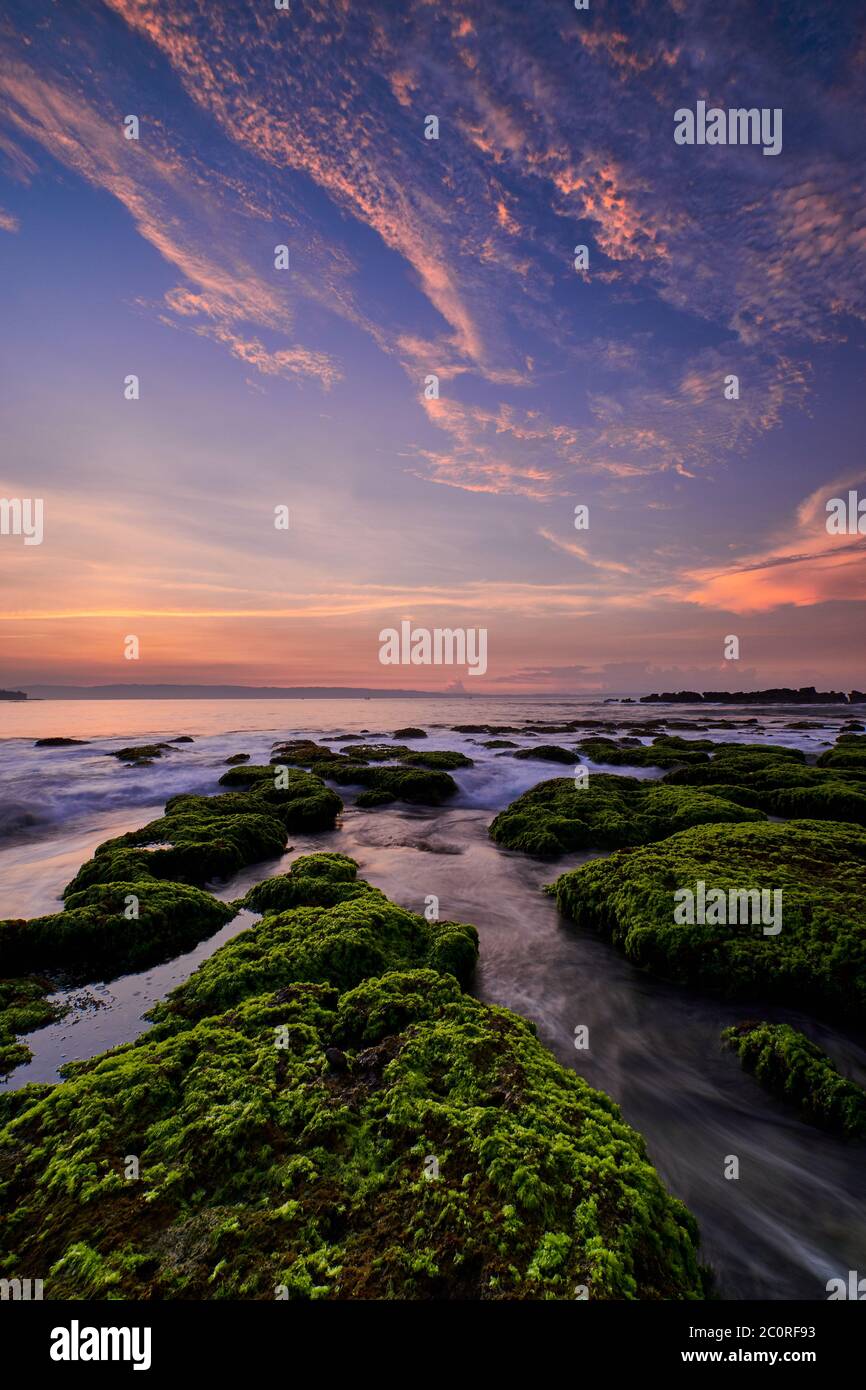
column 303, row 752
column 357, row 934
column 548, row 753
column 93, row 938
column 736, row 762
column 791, row 1066
column 200, row 838
column 848, row 753
column 315, row 880
column 776, row 780
column 353, row 1127
column 23, row 1008
column 380, row 797
column 556, row 817
column 251, row 776
column 443, row 758
column 377, row 752
column 665, row 751
column 409, row 732
column 142, row 752
column 817, row 960
column 803, row 793
column 300, row 800
column 419, row 785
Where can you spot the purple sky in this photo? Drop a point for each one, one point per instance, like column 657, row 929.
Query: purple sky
column 305, row 387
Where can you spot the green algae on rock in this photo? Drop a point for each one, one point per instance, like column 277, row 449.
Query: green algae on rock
column 300, row 800
column 608, row 811
column 731, row 762
column 329, row 1116
column 818, row 959
column 791, row 1066
column 445, row 758
column 111, row 928
column 314, row 880
column 376, row 752
column 358, row 933
column 24, row 1007
column 799, row 792
column 848, row 753
column 409, row 732
column 422, row 786
column 548, row 753
column 141, row 753
column 303, row 752
column 200, row 838
column 664, row 751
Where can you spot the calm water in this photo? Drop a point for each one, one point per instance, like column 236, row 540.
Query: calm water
column 796, row 1216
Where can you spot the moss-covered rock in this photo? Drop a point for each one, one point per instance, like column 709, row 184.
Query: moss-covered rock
column 556, row 817
column 414, row 784
column 299, row 799
column 96, row 938
column 303, row 752
column 59, row 742
column 357, row 934
column 200, row 838
column 354, row 1126
column 818, row 958
column 849, row 753
column 446, row 758
column 735, row 763
column 664, row 751
column 140, row 753
column 803, row 793
column 314, row 880
column 377, row 797
column 377, row 752
column 409, row 732
column 133, row 905
column 24, row 1007
column 237, row 758
column 548, row 753
column 791, row 1066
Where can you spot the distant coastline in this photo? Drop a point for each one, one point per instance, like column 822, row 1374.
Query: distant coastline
column 782, row 695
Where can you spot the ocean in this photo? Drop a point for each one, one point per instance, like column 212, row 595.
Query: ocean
column 796, row 1217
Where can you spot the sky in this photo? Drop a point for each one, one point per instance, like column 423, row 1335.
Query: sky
column 307, row 387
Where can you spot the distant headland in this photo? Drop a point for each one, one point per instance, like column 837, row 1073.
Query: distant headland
column 783, row 695
column 12, row 695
